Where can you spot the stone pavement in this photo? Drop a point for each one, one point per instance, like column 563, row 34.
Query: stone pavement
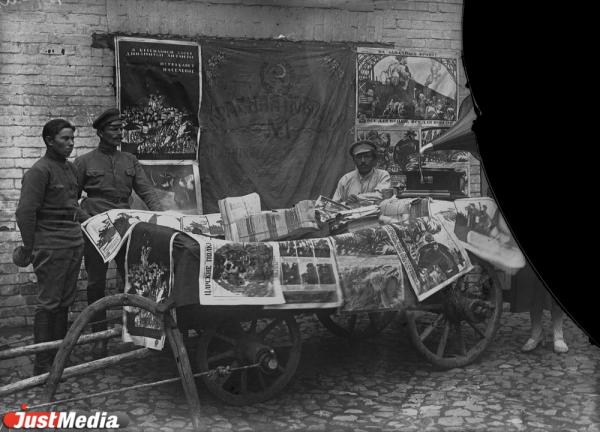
column 372, row 385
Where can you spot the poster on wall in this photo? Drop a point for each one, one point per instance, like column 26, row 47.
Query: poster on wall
column 396, row 86
column 159, row 89
column 176, row 183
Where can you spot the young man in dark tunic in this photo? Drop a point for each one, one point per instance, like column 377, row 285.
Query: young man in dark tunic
column 108, row 176
column 48, row 217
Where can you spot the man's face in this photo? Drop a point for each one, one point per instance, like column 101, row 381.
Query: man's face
column 364, row 162
column 111, row 133
column 63, row 142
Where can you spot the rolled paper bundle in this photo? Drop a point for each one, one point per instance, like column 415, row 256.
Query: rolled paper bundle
column 395, row 208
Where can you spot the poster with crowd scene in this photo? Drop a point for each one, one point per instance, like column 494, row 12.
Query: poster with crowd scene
column 431, row 254
column 159, row 90
column 234, row 273
column 309, row 278
column 396, row 86
column 148, row 274
column 109, row 230
column 370, row 271
column 176, row 183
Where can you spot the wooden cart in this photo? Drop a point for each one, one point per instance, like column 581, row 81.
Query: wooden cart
column 247, row 354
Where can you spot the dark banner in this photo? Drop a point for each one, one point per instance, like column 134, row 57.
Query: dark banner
column 159, row 93
column 277, row 119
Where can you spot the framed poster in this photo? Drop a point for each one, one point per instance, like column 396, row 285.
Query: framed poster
column 177, row 184
column 159, row 90
column 404, row 87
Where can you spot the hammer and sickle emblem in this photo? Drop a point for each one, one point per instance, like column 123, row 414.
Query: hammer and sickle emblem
column 282, row 70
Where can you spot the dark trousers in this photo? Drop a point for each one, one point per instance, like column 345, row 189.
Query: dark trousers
column 96, row 272
column 57, row 271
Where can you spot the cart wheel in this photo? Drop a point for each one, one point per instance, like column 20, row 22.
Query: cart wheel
column 270, row 347
column 455, row 326
column 357, row 325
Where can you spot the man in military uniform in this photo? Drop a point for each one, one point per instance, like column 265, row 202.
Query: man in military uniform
column 48, row 217
column 108, row 176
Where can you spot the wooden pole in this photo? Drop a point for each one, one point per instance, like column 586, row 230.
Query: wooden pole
column 77, row 327
column 46, row 346
column 185, row 370
column 75, row 370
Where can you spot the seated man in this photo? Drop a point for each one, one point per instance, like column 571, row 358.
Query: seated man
column 366, row 182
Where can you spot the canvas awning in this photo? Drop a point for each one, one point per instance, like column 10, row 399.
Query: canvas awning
column 461, row 135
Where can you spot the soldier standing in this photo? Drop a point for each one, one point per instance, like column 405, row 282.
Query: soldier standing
column 108, row 176
column 48, row 217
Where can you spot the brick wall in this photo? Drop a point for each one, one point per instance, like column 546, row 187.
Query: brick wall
column 49, row 69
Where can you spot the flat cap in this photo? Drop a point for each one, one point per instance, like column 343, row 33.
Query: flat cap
column 362, row 147
column 106, row 117
column 20, row 257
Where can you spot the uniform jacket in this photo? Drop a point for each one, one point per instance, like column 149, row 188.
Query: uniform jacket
column 108, row 179
column 47, row 214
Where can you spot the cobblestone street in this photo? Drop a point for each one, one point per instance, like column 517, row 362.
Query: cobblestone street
column 372, row 385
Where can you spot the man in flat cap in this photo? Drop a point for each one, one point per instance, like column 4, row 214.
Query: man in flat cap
column 366, row 182
column 48, row 217
column 108, row 176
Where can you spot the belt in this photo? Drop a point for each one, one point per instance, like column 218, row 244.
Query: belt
column 114, row 200
column 57, row 216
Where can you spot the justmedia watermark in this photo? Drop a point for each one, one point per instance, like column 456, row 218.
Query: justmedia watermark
column 63, row 420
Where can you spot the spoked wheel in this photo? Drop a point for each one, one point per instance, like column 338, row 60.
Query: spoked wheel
column 357, row 325
column 456, row 325
column 268, row 347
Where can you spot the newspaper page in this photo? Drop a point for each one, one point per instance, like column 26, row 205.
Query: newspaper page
column 480, row 225
column 327, row 209
column 309, row 278
column 370, row 271
column 108, row 231
column 445, row 211
column 233, row 273
column 210, row 225
column 148, row 273
column 431, row 255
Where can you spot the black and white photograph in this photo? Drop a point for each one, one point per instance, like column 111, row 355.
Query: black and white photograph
column 172, row 257
column 309, row 278
column 176, row 183
column 370, row 271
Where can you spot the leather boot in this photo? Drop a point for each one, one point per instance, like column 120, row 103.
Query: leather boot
column 42, row 332
column 60, row 327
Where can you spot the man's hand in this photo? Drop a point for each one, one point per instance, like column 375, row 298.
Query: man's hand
column 352, row 198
